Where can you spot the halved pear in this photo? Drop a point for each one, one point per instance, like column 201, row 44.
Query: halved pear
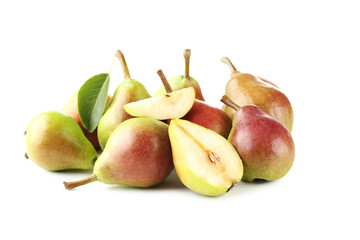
column 204, row 160
column 166, row 106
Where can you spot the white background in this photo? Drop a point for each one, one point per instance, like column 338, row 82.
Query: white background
column 310, row 49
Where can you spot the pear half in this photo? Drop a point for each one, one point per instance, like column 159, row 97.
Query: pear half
column 166, row 106
column 204, row 160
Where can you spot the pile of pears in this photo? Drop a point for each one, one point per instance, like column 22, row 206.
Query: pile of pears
column 140, row 138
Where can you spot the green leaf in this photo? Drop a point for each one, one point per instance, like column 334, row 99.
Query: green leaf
column 92, row 100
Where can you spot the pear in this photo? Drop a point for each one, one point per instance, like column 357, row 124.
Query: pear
column 137, row 154
column 204, row 161
column 71, row 109
column 245, row 88
column 128, row 91
column 263, row 143
column 169, row 105
column 202, row 113
column 184, row 81
column 56, row 142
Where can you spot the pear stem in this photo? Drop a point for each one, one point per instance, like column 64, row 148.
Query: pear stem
column 227, row 101
column 227, row 61
column 164, row 81
column 74, row 184
column 187, row 54
column 124, row 66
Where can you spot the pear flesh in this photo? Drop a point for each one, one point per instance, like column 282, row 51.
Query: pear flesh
column 56, row 142
column 204, row 161
column 166, row 106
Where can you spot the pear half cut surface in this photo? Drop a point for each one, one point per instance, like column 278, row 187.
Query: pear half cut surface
column 204, row 160
column 166, row 106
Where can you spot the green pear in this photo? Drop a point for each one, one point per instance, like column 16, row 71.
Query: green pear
column 128, row 91
column 138, row 154
column 204, row 160
column 183, row 81
column 245, row 88
column 264, row 144
column 56, row 142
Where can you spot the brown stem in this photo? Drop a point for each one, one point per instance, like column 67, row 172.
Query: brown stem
column 187, row 54
column 74, row 184
column 229, row 63
column 164, row 81
column 124, row 66
column 26, row 156
column 227, row 101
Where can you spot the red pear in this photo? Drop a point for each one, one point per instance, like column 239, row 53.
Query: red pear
column 263, row 143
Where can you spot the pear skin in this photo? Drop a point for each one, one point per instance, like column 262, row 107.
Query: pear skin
column 245, row 88
column 138, row 154
column 209, row 117
column 128, row 91
column 263, row 143
column 56, row 142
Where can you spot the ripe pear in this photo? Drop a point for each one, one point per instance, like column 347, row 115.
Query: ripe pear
column 137, row 154
column 71, row 109
column 128, row 91
column 202, row 113
column 184, row 81
column 263, row 143
column 245, row 88
column 56, row 142
column 209, row 117
column 204, row 161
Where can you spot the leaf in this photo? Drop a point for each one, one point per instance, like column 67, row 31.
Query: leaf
column 92, row 100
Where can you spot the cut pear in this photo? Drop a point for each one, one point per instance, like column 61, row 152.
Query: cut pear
column 166, row 106
column 204, row 160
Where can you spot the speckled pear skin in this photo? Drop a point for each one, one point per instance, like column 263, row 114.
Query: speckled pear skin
column 56, row 142
column 244, row 88
column 263, row 143
column 138, row 154
column 128, row 91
